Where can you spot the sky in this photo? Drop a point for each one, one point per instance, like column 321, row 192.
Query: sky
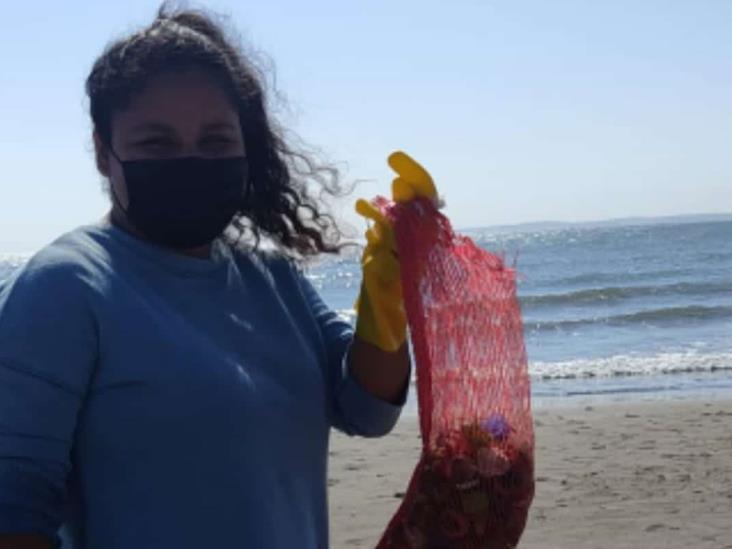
column 522, row 110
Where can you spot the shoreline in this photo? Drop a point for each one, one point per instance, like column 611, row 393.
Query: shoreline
column 619, row 390
column 620, row 475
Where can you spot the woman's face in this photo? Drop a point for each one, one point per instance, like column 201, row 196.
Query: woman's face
column 176, row 115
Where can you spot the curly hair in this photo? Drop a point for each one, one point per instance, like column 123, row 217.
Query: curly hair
column 278, row 205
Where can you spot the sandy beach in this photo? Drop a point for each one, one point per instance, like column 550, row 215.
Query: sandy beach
column 644, row 475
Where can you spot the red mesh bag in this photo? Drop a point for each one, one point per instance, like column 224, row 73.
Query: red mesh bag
column 474, row 483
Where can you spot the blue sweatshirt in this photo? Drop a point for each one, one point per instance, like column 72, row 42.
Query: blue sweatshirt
column 153, row 400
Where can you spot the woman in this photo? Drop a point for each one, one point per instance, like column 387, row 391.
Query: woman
column 162, row 383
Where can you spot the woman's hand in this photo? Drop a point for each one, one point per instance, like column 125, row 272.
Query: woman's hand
column 380, row 308
column 379, row 359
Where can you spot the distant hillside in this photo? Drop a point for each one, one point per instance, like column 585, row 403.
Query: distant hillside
column 542, row 226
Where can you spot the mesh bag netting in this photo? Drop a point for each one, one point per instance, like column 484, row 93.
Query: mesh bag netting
column 474, row 483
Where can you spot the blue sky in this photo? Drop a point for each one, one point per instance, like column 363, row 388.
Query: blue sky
column 523, row 111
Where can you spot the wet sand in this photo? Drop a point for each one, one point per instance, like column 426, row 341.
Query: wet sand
column 645, row 475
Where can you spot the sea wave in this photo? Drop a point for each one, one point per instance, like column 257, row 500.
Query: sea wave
column 616, row 293
column 610, row 277
column 633, row 365
column 652, row 316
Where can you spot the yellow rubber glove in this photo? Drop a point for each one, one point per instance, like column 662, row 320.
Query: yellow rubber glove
column 380, row 308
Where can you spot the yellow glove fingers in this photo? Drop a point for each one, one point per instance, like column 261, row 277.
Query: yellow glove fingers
column 369, row 211
column 373, row 238
column 402, row 191
column 380, row 235
column 381, row 316
column 413, row 174
column 407, row 167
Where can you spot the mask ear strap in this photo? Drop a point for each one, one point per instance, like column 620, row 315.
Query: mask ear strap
column 110, row 148
column 111, row 185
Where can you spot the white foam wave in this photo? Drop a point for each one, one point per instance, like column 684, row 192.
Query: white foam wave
column 630, row 365
column 618, row 365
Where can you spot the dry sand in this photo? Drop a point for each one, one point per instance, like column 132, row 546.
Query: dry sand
column 645, row 475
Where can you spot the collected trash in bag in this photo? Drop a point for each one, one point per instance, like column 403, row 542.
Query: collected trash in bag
column 474, row 483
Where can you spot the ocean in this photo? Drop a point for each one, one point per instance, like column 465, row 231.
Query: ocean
column 611, row 313
column 619, row 312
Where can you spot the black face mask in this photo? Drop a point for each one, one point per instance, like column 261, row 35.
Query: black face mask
column 184, row 202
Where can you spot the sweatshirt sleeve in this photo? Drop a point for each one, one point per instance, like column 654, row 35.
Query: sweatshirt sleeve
column 355, row 410
column 47, row 353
